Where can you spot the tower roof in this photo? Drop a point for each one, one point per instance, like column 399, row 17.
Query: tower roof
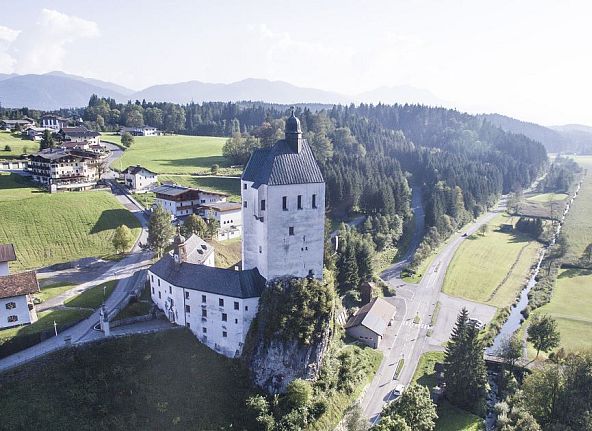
column 292, row 124
column 281, row 165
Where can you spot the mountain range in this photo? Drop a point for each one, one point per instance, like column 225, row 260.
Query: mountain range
column 56, row 90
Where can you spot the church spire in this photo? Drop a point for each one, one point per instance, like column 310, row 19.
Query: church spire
column 293, row 132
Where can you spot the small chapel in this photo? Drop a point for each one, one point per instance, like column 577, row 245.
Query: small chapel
column 283, row 212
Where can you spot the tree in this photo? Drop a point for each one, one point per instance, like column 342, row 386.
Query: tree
column 586, row 256
column 214, row 169
column 102, row 167
column 194, row 225
column 122, row 238
column 510, row 350
column 25, row 149
column 260, row 408
column 415, row 407
column 127, row 139
column 543, row 333
column 465, row 373
column 391, row 423
column 355, row 419
column 160, row 230
column 298, row 394
column 7, row 148
column 483, row 229
column 212, row 230
column 47, row 140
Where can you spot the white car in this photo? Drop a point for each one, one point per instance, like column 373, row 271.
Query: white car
column 477, row 323
column 398, row 391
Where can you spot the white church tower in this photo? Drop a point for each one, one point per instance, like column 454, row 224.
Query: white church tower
column 283, row 198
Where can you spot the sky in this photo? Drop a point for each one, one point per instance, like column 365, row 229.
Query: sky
column 530, row 59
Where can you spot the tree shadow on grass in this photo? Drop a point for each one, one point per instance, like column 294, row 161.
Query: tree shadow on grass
column 16, row 181
column 575, row 272
column 113, row 218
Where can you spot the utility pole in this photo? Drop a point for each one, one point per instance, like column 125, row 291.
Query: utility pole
column 55, row 328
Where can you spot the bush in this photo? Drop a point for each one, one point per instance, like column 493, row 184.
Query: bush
column 7, row 148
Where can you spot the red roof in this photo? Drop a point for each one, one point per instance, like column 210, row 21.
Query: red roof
column 7, row 253
column 19, row 284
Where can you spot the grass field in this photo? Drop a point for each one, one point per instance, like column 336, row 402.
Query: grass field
column 177, row 154
column 163, row 381
column 224, row 185
column 93, row 297
column 52, row 290
column 578, row 223
column 51, row 228
column 547, row 197
column 492, row 268
column 17, row 145
column 571, row 307
column 450, row 418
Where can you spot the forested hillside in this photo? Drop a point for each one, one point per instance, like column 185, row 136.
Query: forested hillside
column 369, row 154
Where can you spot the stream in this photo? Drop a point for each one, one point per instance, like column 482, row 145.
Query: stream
column 512, row 324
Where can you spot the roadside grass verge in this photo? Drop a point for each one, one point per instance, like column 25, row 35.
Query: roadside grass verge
column 53, row 228
column 159, row 381
column 231, row 186
column 492, row 268
column 177, row 154
column 93, row 297
column 53, row 290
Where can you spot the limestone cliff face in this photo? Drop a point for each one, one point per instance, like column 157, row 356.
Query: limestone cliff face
column 276, row 362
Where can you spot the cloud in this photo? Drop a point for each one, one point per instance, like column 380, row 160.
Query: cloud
column 42, row 47
column 7, row 37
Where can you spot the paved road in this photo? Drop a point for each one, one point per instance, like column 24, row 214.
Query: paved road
column 406, row 339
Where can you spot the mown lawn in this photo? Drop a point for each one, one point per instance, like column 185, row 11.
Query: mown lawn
column 491, row 268
column 17, row 145
column 63, row 317
column 578, row 223
column 450, row 418
column 571, row 307
column 93, row 297
column 51, row 228
column 176, row 154
column 163, row 381
column 224, row 185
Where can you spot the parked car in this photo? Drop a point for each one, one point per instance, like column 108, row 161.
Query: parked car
column 477, row 323
column 398, row 391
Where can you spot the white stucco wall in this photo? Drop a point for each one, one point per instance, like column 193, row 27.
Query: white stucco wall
column 21, row 311
column 4, row 268
column 236, row 326
column 268, row 244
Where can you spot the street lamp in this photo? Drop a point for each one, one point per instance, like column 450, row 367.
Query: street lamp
column 55, row 328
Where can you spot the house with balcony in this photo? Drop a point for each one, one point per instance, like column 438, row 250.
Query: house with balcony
column 60, row 169
column 228, row 215
column 140, row 131
column 79, row 134
column 54, row 122
column 182, row 201
column 16, row 290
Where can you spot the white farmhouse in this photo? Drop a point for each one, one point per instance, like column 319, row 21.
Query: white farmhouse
column 140, row 131
column 16, row 302
column 370, row 322
column 138, row 178
column 283, row 194
column 283, row 200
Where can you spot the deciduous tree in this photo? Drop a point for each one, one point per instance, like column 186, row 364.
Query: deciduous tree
column 543, row 333
column 160, row 230
column 122, row 238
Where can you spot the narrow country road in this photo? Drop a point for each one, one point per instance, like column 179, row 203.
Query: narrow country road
column 406, row 340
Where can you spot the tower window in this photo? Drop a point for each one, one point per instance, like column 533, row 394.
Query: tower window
column 244, row 204
column 260, row 249
column 262, row 204
column 245, row 186
column 224, row 317
column 221, row 302
column 299, row 202
column 291, row 230
column 314, row 201
column 203, row 298
column 285, row 203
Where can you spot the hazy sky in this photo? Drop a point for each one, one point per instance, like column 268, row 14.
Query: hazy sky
column 531, row 59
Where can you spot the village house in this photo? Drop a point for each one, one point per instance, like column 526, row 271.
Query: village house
column 182, row 201
column 227, row 214
column 140, row 131
column 36, row 133
column 54, row 122
column 12, row 125
column 64, row 170
column 283, row 193
column 370, row 322
column 16, row 302
column 138, row 178
column 79, row 134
